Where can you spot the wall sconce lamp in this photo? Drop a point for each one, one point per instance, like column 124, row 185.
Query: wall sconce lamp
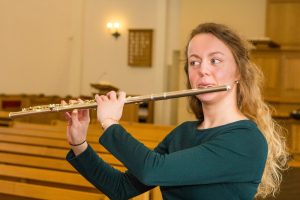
column 114, row 28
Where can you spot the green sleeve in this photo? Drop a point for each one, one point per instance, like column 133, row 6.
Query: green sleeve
column 113, row 183
column 236, row 156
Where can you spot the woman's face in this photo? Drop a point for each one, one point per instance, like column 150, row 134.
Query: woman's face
column 210, row 63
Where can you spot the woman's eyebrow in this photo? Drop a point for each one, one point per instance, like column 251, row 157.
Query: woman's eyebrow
column 216, row 52
column 210, row 54
column 194, row 55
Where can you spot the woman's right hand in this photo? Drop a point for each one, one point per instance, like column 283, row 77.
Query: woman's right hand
column 78, row 122
column 110, row 108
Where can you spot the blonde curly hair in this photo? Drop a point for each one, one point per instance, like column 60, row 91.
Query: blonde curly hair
column 250, row 103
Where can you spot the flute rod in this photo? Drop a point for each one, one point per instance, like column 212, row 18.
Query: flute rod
column 88, row 104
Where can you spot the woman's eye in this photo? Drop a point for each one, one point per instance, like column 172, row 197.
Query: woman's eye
column 215, row 61
column 194, row 63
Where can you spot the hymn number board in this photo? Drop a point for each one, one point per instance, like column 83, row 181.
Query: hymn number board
column 140, row 47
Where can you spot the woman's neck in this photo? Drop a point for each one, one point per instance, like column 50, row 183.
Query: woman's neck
column 220, row 113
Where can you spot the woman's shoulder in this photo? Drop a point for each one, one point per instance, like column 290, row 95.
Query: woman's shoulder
column 242, row 126
column 247, row 126
column 245, row 130
column 238, row 126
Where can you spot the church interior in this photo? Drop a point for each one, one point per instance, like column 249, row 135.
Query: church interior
column 55, row 50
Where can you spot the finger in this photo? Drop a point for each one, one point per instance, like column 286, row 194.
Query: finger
column 104, row 98
column 81, row 102
column 67, row 115
column 83, row 113
column 71, row 101
column 68, row 118
column 122, row 96
column 97, row 98
column 86, row 115
column 69, row 123
column 74, row 116
column 101, row 98
column 112, row 95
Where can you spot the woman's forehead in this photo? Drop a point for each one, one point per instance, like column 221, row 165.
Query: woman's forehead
column 207, row 43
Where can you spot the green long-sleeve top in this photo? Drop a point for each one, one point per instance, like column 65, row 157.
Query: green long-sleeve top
column 224, row 162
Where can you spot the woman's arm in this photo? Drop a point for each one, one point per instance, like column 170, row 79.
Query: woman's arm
column 237, row 156
column 112, row 182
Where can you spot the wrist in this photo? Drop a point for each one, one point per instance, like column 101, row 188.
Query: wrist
column 107, row 122
column 77, row 144
column 79, row 148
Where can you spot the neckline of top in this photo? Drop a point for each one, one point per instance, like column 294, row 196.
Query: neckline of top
column 220, row 126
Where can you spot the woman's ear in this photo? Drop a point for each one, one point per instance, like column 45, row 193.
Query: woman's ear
column 237, row 76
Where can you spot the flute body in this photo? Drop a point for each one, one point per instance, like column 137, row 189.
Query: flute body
column 88, row 104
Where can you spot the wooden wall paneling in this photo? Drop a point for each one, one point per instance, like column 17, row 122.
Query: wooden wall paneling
column 290, row 73
column 283, row 109
column 282, row 22
column 295, row 138
column 281, row 69
column 270, row 63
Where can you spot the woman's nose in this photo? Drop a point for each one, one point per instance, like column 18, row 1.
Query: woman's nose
column 203, row 69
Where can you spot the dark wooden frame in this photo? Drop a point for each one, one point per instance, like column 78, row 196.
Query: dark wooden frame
column 140, row 47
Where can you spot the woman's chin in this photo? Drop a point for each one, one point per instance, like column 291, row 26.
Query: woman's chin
column 206, row 98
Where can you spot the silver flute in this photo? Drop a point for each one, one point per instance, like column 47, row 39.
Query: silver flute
column 88, row 104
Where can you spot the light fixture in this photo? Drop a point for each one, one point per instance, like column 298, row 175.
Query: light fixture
column 114, row 28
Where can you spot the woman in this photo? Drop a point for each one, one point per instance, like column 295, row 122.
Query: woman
column 232, row 151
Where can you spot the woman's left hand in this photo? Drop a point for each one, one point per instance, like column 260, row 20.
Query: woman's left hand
column 78, row 122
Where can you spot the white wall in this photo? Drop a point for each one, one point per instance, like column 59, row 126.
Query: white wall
column 44, row 44
column 105, row 58
column 35, row 41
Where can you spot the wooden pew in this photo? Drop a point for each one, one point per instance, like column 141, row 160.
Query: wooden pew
column 24, row 169
column 34, row 137
column 4, row 119
column 46, row 153
column 36, row 151
column 152, row 134
column 148, row 134
column 50, row 176
column 143, row 132
column 23, row 163
column 43, row 192
column 19, row 180
column 25, row 148
column 35, row 161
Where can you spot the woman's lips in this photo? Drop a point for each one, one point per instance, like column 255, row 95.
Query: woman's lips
column 205, row 85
